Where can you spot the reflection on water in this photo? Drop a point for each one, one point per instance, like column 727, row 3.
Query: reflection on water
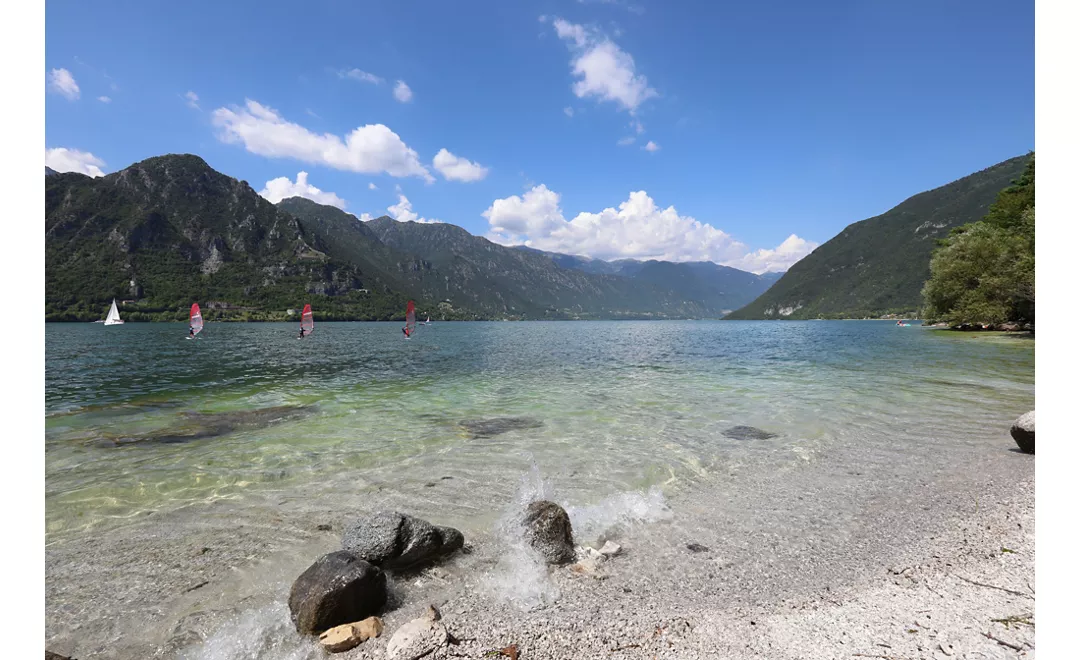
column 601, row 407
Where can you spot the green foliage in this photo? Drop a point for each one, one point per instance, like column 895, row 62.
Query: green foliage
column 984, row 273
column 878, row 266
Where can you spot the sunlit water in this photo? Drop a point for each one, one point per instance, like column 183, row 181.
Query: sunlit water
column 610, row 407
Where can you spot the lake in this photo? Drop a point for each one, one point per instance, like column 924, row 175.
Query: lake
column 616, row 420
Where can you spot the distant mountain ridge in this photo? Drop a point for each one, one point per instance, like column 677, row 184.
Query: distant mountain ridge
column 168, row 231
column 878, row 266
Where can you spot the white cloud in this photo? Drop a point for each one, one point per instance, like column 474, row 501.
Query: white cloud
column 282, row 188
column 366, row 217
column 651, row 146
column 62, row 82
column 603, row 69
column 104, row 99
column 73, row 160
column 637, row 229
column 402, row 92
column 403, row 211
column 455, row 168
column 192, row 100
column 370, row 149
column 626, row 141
column 362, row 76
column 783, row 257
column 638, row 127
column 372, row 186
column 568, row 111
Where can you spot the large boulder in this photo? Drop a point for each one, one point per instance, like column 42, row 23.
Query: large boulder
column 338, row 588
column 1023, row 432
column 547, row 528
column 395, row 541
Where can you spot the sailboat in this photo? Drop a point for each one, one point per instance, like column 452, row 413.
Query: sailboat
column 307, row 321
column 114, row 315
column 196, row 321
column 410, row 319
column 428, row 321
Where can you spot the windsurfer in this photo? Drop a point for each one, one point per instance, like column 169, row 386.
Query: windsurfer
column 191, row 332
column 405, row 331
column 301, row 333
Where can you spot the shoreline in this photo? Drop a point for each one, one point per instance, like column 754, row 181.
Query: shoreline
column 788, row 574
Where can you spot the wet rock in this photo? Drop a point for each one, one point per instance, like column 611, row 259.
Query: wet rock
column 338, row 588
column 486, row 428
column 748, row 433
column 350, row 635
column 49, row 655
column 395, row 541
column 547, row 528
column 586, row 566
column 420, row 637
column 1023, row 432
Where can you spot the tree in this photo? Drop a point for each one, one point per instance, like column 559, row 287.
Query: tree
column 984, row 273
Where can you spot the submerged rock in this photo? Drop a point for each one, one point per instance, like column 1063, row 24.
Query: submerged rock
column 49, row 655
column 395, row 541
column 1023, row 432
column 197, row 426
column 748, row 433
column 486, row 428
column 547, row 528
column 350, row 635
column 420, row 637
column 338, row 588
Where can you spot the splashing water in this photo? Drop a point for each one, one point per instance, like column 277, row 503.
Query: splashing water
column 266, row 632
column 612, row 514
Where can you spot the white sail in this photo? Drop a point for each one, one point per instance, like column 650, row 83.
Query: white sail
column 114, row 315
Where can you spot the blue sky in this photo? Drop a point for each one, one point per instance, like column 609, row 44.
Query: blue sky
column 773, row 125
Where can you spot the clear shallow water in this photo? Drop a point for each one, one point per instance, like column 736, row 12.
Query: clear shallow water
column 621, row 406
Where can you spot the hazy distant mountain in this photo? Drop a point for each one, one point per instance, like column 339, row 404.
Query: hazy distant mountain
column 878, row 266
column 714, row 286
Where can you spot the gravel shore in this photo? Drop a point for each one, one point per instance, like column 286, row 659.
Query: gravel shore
column 856, row 551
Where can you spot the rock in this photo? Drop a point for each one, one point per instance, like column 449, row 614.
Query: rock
column 696, row 547
column 338, row 588
column 420, row 637
column 610, row 549
column 748, row 433
column 395, row 541
column 586, row 566
column 49, row 655
column 486, row 428
column 547, row 528
column 1023, row 432
column 350, row 635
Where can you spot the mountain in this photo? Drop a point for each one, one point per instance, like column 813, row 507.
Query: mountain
column 50, row 171
column 714, row 286
column 501, row 280
column 170, row 230
column 879, row 265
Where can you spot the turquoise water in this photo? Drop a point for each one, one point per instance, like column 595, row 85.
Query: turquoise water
column 140, row 419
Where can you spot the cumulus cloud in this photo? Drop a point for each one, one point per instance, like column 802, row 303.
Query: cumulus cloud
column 781, row 258
column 568, row 111
column 104, row 99
column 282, row 188
column 372, row 186
column 370, row 149
column 73, row 160
column 638, row 229
column 362, row 76
column 455, row 168
column 651, row 146
column 402, row 92
column 403, row 211
column 192, row 100
column 603, row 69
column 63, row 83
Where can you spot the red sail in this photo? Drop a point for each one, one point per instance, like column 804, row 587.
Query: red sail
column 196, row 318
column 307, row 320
column 410, row 318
